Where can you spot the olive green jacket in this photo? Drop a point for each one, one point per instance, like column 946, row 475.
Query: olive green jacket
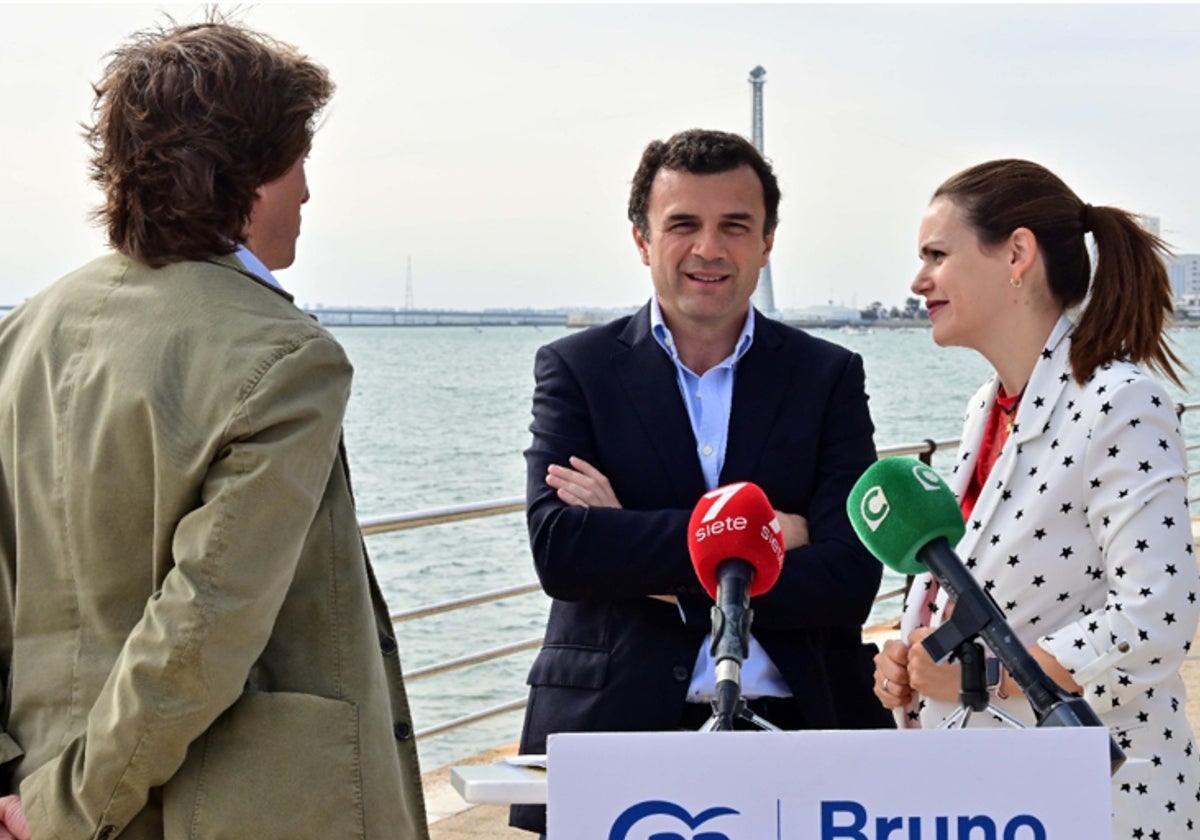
column 192, row 640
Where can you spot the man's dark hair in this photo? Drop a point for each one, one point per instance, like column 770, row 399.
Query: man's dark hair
column 189, row 121
column 701, row 152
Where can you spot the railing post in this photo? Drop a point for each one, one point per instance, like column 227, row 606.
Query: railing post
column 927, row 456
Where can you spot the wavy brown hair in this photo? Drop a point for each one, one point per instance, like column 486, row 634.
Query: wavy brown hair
column 701, row 152
column 188, row 122
column 1129, row 299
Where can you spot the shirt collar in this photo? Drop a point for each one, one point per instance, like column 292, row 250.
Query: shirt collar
column 255, row 266
column 662, row 334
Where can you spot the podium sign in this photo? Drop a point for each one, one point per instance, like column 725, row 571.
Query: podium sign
column 972, row 784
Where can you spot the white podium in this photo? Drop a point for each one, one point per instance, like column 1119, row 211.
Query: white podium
column 505, row 782
column 1008, row 784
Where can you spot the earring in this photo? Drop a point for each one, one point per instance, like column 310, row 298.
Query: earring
column 1016, row 282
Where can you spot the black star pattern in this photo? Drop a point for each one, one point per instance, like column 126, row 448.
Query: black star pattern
column 1102, row 590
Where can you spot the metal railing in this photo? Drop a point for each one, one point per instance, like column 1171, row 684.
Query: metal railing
column 924, row 450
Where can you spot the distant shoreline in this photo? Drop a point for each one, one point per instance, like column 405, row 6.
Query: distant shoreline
column 368, row 317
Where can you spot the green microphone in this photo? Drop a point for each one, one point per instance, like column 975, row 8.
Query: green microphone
column 900, row 505
column 906, row 515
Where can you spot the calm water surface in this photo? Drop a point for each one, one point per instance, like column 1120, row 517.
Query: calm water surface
column 440, row 416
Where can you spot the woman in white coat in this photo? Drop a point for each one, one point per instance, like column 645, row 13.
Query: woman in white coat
column 1072, row 475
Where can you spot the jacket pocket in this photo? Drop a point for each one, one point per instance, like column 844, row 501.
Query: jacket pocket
column 569, row 666
column 274, row 766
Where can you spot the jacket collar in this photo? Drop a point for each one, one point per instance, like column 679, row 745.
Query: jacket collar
column 231, row 261
column 1050, row 378
column 648, row 377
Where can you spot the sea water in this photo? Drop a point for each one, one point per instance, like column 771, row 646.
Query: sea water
column 440, row 416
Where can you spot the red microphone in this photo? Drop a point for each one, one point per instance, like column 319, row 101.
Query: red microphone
column 736, row 544
column 736, row 522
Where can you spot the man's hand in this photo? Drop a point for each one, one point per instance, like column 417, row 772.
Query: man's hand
column 580, row 484
column 12, row 819
column 795, row 529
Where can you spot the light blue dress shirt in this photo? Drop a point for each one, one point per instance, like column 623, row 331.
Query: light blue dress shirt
column 254, row 265
column 708, row 399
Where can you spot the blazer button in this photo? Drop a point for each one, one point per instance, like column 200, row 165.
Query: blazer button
column 402, row 730
column 681, row 674
column 387, row 644
column 106, row 832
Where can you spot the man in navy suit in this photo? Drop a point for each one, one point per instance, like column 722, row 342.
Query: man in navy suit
column 635, row 420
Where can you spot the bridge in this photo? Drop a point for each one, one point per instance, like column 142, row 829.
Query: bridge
column 391, row 317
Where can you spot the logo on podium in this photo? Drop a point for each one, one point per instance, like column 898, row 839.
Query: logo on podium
column 657, row 807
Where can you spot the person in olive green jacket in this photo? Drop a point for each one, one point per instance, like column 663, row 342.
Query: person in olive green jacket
column 192, row 641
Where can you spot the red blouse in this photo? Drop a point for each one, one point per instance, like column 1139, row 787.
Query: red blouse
column 995, row 434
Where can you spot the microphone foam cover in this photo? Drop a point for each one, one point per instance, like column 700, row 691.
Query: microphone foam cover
column 736, row 521
column 900, row 505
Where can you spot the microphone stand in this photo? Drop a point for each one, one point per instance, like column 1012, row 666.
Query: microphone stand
column 1051, row 705
column 973, row 694
column 731, row 616
column 720, row 722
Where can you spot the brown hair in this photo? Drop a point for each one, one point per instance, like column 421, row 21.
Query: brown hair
column 702, row 152
column 1130, row 296
column 189, row 121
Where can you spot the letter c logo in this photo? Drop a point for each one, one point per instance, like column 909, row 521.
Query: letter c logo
column 875, row 507
column 927, row 477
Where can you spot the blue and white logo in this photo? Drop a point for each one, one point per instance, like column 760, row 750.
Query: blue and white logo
column 636, row 814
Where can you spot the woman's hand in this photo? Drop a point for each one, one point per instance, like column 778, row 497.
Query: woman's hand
column 891, row 675
column 937, row 682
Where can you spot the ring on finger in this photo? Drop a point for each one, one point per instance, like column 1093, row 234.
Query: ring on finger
column 885, row 685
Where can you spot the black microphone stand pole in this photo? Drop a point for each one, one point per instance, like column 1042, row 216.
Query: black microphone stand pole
column 731, row 616
column 973, row 695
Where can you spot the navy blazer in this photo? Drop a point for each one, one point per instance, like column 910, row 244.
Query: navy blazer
column 615, row 659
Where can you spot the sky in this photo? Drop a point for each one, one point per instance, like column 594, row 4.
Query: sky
column 494, row 144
